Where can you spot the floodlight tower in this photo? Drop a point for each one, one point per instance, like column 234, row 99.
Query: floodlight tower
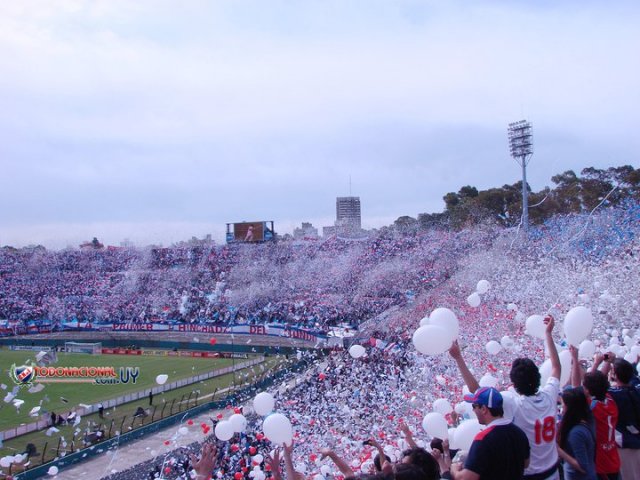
column 521, row 147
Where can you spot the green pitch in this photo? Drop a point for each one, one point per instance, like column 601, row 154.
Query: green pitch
column 75, row 393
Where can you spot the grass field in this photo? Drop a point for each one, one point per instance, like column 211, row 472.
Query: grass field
column 75, row 393
column 119, row 418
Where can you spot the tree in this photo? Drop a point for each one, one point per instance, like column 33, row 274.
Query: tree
column 406, row 224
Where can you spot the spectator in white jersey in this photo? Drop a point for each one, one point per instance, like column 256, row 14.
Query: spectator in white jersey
column 535, row 409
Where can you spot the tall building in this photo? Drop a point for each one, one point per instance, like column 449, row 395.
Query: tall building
column 348, row 213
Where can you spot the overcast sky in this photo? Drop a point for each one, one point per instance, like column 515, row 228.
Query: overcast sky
column 160, row 120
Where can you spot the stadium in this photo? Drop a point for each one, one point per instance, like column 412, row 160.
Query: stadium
column 319, row 240
column 332, row 336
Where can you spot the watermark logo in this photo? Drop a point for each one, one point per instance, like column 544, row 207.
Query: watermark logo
column 24, row 375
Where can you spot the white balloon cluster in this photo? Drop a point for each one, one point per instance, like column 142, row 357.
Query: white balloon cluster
column 435, row 425
column 437, row 332
column 474, row 299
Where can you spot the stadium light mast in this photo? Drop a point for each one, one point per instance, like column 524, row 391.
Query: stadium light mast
column 521, row 148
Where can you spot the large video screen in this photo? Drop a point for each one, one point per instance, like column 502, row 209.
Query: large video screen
column 248, row 232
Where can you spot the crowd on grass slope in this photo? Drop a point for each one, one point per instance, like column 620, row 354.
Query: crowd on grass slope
column 343, row 402
column 314, row 284
column 306, row 284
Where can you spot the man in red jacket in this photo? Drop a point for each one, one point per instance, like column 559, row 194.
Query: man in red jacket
column 605, row 415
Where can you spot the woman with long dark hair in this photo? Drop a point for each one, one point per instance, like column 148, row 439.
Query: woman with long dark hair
column 576, row 438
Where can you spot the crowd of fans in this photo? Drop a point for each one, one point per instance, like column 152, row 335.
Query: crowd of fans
column 380, row 399
column 313, row 284
column 348, row 411
column 305, row 284
column 343, row 403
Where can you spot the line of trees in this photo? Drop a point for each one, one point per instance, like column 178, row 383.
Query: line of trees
column 571, row 194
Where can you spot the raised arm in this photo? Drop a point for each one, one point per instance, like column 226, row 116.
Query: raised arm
column 408, row 436
column 385, row 465
column 467, row 376
column 344, row 468
column 274, row 464
column 291, row 472
column 598, row 360
column 556, row 369
column 207, row 462
column 576, row 369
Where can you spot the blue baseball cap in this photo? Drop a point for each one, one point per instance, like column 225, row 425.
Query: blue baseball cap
column 487, row 396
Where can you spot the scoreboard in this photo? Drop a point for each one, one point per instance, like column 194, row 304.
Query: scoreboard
column 250, row 232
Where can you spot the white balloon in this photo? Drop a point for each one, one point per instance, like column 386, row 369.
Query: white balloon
column 183, row 430
column 435, row 425
column 5, row 462
column 442, row 406
column 586, row 350
column 52, row 470
column 451, row 435
column 577, row 325
column 224, row 430
column 565, row 365
column 488, row 380
column 545, row 371
column 483, row 286
column 263, row 403
column 278, row 429
column 447, row 320
column 424, row 321
column 474, row 300
column 508, row 403
column 238, row 422
column 535, row 326
column 432, row 340
column 512, row 306
column 460, row 408
column 356, row 351
column 465, row 433
column 520, row 317
column 162, row 379
column 493, row 347
column 257, row 458
column 618, row 350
